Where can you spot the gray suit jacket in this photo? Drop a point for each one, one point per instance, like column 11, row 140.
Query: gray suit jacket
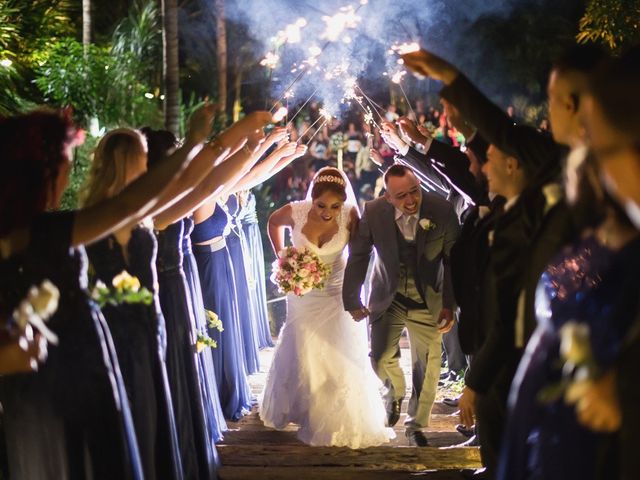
column 377, row 230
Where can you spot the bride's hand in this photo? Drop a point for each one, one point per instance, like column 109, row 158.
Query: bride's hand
column 360, row 314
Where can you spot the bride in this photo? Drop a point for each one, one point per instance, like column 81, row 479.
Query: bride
column 320, row 377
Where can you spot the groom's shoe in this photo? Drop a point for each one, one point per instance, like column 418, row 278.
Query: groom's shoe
column 416, row 438
column 393, row 412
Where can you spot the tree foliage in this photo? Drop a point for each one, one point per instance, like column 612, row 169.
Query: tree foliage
column 612, row 23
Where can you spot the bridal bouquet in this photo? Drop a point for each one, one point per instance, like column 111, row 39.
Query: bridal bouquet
column 299, row 271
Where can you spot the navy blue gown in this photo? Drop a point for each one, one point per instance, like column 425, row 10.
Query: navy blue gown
column 208, row 384
column 238, row 250
column 197, row 451
column 139, row 336
column 545, row 441
column 71, row 419
column 219, row 295
column 257, row 289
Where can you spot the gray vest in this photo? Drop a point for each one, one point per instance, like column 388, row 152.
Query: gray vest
column 409, row 292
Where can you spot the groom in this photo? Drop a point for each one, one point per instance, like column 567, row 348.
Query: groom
column 412, row 234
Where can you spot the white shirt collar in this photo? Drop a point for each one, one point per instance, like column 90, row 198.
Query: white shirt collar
column 400, row 214
column 511, row 202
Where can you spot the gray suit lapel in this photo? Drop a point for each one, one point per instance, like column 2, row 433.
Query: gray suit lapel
column 388, row 223
column 422, row 234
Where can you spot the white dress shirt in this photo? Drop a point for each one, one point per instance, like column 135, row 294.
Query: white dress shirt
column 407, row 225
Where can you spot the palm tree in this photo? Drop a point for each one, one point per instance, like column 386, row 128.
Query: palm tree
column 221, row 43
column 171, row 69
column 86, row 23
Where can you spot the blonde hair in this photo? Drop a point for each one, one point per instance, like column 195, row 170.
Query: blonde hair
column 111, row 159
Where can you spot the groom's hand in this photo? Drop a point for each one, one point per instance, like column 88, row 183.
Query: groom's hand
column 445, row 320
column 359, row 314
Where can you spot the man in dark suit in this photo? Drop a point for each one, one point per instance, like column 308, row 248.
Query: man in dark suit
column 412, row 234
column 540, row 212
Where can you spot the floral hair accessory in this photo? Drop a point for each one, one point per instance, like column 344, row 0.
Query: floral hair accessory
column 330, row 178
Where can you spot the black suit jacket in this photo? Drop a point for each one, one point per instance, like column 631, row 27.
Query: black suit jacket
column 539, row 153
column 503, row 281
column 469, row 261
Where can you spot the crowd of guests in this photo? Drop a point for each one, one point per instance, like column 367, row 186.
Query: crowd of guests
column 154, row 288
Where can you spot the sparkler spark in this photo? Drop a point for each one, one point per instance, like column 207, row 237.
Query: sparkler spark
column 280, row 114
column 338, row 23
column 397, row 77
column 270, row 60
column 403, row 48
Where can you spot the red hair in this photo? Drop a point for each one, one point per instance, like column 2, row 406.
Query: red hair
column 33, row 150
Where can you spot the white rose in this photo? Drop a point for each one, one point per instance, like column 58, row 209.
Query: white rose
column 426, row 224
column 304, row 273
column 44, row 299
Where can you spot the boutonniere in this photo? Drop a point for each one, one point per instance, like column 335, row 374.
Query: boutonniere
column 427, row 224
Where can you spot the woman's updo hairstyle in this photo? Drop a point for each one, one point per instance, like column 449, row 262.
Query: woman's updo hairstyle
column 329, row 179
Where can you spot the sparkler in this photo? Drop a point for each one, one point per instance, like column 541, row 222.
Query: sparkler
column 345, row 18
column 324, row 113
column 303, row 105
column 397, row 79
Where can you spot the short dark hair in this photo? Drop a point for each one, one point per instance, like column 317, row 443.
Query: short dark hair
column 581, row 59
column 615, row 88
column 396, row 170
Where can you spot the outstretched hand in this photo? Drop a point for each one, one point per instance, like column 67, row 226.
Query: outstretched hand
column 200, row 123
column 390, row 135
column 427, row 64
column 375, row 157
column 410, row 129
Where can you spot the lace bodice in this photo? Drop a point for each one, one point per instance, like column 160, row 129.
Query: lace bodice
column 332, row 252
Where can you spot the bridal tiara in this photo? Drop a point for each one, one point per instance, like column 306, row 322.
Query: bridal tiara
column 330, row 178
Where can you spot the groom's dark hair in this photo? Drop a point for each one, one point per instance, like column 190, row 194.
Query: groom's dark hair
column 395, row 170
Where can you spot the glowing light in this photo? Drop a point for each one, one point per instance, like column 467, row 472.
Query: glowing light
column 288, row 94
column 338, row 23
column 301, row 22
column 148, row 95
column 292, row 33
column 270, row 60
column 326, row 113
column 280, row 114
column 6, row 63
column 315, row 50
column 403, row 48
column 397, row 77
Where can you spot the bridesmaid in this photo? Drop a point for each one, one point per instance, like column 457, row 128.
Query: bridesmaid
column 72, row 417
column 236, row 246
column 215, row 416
column 257, row 288
column 216, row 272
column 194, row 404
column 138, row 330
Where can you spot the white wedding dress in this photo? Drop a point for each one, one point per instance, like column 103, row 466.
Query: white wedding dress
column 321, row 377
